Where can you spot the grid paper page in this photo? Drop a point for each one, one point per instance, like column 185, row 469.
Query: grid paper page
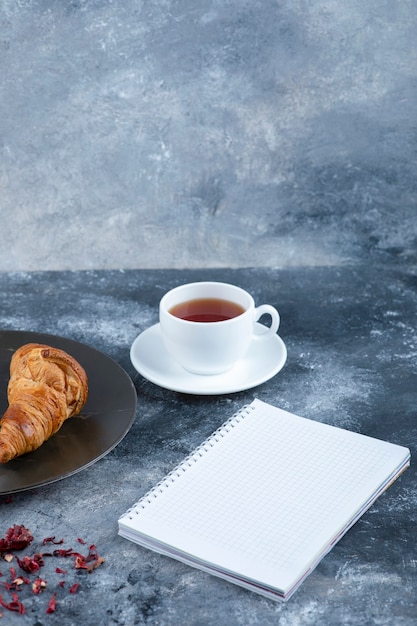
column 268, row 496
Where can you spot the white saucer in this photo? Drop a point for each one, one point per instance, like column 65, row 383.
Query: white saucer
column 263, row 360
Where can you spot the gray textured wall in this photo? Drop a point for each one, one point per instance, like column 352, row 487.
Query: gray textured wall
column 209, row 133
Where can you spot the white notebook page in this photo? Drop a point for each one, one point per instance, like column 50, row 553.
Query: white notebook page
column 268, row 496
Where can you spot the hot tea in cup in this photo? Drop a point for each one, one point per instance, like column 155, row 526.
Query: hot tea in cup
column 207, row 310
column 208, row 326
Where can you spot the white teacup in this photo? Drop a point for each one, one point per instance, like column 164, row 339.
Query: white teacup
column 211, row 347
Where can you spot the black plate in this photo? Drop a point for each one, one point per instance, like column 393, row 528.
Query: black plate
column 105, row 419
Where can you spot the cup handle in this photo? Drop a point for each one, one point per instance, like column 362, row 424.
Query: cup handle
column 275, row 319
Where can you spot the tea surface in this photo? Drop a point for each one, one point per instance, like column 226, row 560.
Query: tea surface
column 207, row 310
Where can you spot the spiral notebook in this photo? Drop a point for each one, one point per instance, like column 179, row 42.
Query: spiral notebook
column 264, row 498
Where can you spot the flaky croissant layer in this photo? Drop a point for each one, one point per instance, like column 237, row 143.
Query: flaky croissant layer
column 46, row 387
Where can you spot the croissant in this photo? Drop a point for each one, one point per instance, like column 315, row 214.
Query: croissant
column 46, row 387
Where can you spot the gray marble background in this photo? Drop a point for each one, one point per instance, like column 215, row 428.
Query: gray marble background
column 146, row 134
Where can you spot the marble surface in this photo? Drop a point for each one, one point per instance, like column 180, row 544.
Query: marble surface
column 213, row 134
column 352, row 362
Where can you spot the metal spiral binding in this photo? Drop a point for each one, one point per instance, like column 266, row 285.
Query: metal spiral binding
column 189, row 460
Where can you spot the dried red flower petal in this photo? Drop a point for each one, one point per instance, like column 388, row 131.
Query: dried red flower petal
column 74, row 588
column 16, row 538
column 52, row 604
column 52, row 540
column 62, row 552
column 30, row 564
column 38, row 585
column 90, row 566
column 81, row 541
column 95, row 564
column 14, row 605
column 20, row 580
column 15, row 581
column 90, row 562
column 60, row 571
column 79, row 562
